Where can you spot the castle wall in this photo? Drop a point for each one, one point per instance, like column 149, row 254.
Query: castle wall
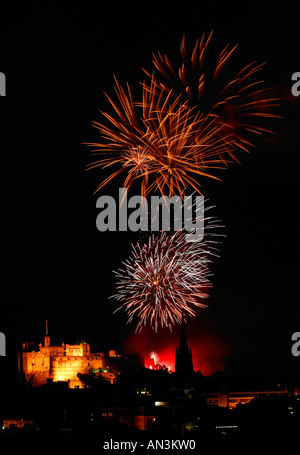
column 60, row 363
column 36, row 367
column 77, row 349
column 66, row 368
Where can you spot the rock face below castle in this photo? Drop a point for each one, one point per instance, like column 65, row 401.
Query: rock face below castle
column 62, row 363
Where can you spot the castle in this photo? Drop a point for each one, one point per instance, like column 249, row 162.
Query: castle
column 74, row 363
column 63, row 363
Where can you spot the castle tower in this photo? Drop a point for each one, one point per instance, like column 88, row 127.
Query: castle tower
column 183, row 357
column 46, row 337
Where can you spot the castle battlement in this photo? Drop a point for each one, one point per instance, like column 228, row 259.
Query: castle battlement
column 62, row 363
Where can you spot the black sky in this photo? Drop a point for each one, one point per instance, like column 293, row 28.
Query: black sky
column 58, row 60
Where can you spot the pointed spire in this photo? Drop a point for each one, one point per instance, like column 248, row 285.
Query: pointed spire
column 46, row 337
column 183, row 358
column 182, row 333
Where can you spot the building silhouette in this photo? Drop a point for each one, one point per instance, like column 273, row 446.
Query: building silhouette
column 183, row 358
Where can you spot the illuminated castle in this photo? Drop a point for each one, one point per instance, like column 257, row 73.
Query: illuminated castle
column 63, row 363
column 183, row 357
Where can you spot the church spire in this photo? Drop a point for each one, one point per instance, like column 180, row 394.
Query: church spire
column 183, row 356
column 182, row 333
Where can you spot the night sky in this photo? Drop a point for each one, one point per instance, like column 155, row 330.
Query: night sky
column 58, row 60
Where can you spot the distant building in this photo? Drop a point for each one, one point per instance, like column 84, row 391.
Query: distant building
column 140, row 417
column 62, row 363
column 16, row 423
column 183, row 358
column 232, row 399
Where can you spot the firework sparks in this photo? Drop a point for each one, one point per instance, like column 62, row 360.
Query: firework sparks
column 155, row 139
column 137, row 160
column 153, row 355
column 238, row 102
column 188, row 123
column 163, row 279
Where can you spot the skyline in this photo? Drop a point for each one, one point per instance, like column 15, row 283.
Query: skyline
column 56, row 264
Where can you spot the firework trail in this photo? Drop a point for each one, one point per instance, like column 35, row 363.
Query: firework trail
column 167, row 276
column 189, row 122
column 164, row 278
column 155, row 139
column 237, row 100
column 153, row 355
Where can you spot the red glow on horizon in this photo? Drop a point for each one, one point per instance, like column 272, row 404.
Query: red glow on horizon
column 158, row 349
column 163, row 359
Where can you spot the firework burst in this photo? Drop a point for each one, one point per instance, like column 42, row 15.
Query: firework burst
column 237, row 100
column 155, row 139
column 163, row 279
column 137, row 160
